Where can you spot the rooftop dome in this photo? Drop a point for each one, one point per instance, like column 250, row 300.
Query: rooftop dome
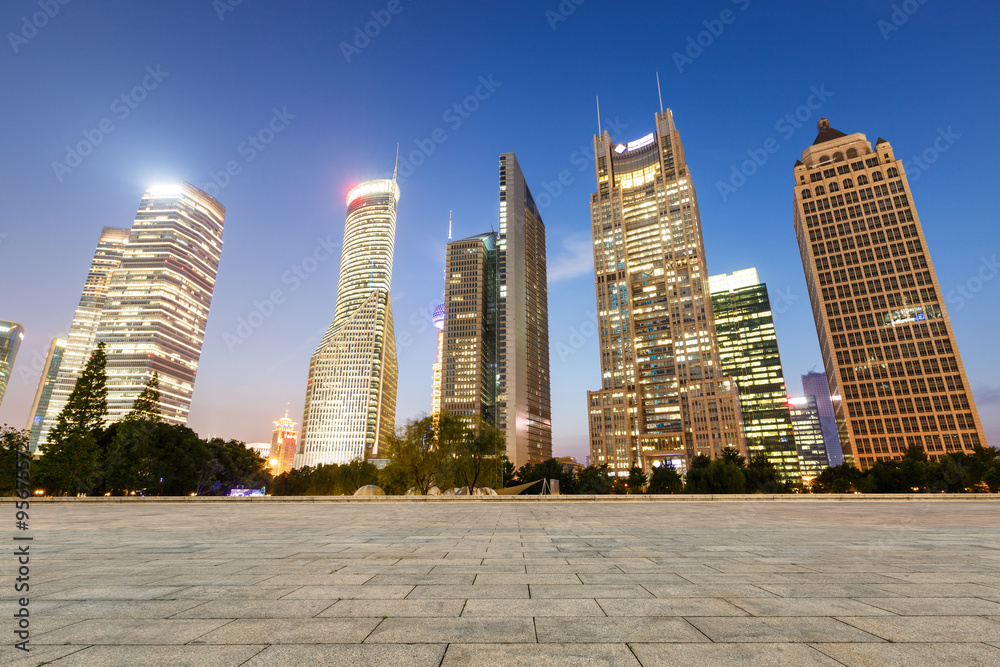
column 439, row 316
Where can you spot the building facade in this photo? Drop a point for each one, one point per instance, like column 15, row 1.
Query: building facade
column 284, row 445
column 43, row 394
column 815, row 384
column 438, row 319
column 663, row 395
column 809, row 440
column 470, row 334
column 748, row 350
column 888, row 346
column 524, row 411
column 147, row 298
column 158, row 299
column 11, row 335
column 81, row 340
column 350, row 405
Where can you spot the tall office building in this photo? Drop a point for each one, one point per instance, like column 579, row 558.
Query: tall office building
column 350, row 405
column 663, row 395
column 147, row 298
column 284, row 444
column 43, row 394
column 524, row 411
column 11, row 335
column 815, row 384
column 438, row 318
column 81, row 340
column 158, row 299
column 470, row 335
column 809, row 441
column 748, row 350
column 884, row 331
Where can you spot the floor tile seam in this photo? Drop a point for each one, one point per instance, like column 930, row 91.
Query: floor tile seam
column 824, row 653
column 198, row 603
column 207, row 632
column 696, row 628
column 262, row 649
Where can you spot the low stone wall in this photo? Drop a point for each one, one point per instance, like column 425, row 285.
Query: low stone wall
column 678, row 498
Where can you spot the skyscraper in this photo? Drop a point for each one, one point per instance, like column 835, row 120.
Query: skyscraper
column 284, row 443
column 815, row 384
column 748, row 350
column 470, row 335
column 887, row 342
column 808, row 435
column 438, row 318
column 43, row 394
column 350, row 405
column 83, row 331
column 147, row 297
column 663, row 394
column 158, row 299
column 524, row 411
column 11, row 335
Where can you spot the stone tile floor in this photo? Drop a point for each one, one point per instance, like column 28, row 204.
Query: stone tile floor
column 568, row 583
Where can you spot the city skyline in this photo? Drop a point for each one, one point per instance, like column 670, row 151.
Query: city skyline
column 287, row 201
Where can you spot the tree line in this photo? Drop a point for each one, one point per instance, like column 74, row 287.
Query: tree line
column 141, row 454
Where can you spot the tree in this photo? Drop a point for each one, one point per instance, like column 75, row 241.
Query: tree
column 594, row 480
column 548, row 469
column 12, row 440
column 414, row 452
column 241, row 466
column 762, row 476
column 837, row 479
column 636, row 481
column 665, row 479
column 721, row 475
column 147, row 405
column 71, row 457
column 472, row 457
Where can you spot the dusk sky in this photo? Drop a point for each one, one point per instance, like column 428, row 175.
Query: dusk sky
column 301, row 109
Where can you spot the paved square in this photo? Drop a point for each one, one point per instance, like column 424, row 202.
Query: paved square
column 513, row 583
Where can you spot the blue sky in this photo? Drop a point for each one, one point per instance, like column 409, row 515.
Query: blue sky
column 200, row 78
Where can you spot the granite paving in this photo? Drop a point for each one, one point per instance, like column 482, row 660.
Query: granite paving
column 855, row 583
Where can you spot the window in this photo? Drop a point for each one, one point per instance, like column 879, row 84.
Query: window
column 852, row 153
column 848, row 184
column 862, row 179
column 820, row 190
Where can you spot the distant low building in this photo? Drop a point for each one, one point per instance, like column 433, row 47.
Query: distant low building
column 261, row 448
column 570, row 464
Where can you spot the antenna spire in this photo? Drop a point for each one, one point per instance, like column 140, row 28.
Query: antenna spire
column 658, row 91
column 598, row 114
column 449, row 225
column 396, row 167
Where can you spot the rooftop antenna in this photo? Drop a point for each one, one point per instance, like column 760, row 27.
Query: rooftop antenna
column 286, row 409
column 659, row 92
column 396, row 167
column 598, row 114
column 449, row 225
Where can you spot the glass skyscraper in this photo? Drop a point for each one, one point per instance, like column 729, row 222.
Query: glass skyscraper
column 147, row 298
column 809, row 439
column 470, row 336
column 748, row 349
column 350, row 405
column 43, row 394
column 11, row 335
column 889, row 349
column 524, row 411
column 663, row 394
column 815, row 384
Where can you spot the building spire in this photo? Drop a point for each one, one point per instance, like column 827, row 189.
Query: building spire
column 396, row 167
column 597, row 97
column 449, row 225
column 659, row 92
